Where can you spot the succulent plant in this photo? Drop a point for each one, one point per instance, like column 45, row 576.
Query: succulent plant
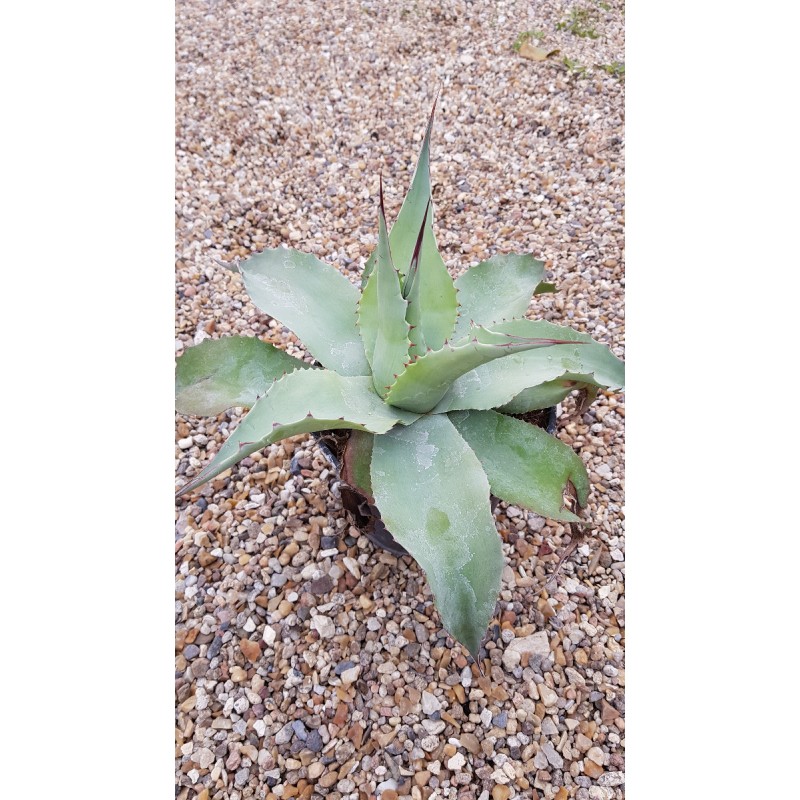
column 426, row 374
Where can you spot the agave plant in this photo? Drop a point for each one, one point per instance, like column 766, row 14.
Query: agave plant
column 426, row 374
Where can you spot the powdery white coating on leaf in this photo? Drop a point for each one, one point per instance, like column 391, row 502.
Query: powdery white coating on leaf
column 312, row 298
column 303, row 402
column 349, row 355
column 433, row 496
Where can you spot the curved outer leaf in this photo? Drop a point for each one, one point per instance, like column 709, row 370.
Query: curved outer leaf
column 433, row 313
column 232, row 371
column 427, row 380
column 525, row 465
column 314, row 300
column 495, row 384
column 547, row 394
column 497, row 289
column 356, row 461
column 382, row 316
column 304, row 402
column 434, row 498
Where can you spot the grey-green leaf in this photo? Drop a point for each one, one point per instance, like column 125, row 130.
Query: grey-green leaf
column 497, row 289
column 382, row 316
column 495, row 384
column 232, row 371
column 433, row 313
column 525, row 465
column 303, row 402
column 433, row 497
column 314, row 300
column 356, row 461
column 427, row 380
column 545, row 395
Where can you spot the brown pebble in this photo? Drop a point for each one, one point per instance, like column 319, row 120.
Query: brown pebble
column 591, row 769
column 250, row 649
column 389, row 794
column 422, row 778
column 501, row 792
column 607, row 712
column 328, row 779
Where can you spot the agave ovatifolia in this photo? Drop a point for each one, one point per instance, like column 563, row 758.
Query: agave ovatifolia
column 425, row 372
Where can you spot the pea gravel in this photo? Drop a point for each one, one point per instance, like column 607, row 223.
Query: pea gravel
column 307, row 663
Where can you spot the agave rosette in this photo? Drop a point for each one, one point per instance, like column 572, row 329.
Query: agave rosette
column 425, row 372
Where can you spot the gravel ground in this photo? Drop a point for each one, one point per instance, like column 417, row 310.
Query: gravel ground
column 308, row 664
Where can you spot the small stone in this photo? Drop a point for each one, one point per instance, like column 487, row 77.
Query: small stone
column 607, row 712
column 386, row 786
column 324, row 626
column 596, row 754
column 191, row 651
column 552, row 756
column 456, row 762
column 429, row 743
column 501, row 792
column 241, row 777
column 535, row 645
column 269, row 635
column 342, row 666
column 388, row 794
column 549, row 727
column 238, row 675
column 186, row 443
column 433, row 726
column 351, row 675
column 299, row 729
column 260, row 727
column 611, row 779
column 320, row 586
column 215, row 647
column 284, row 735
column 422, row 778
column 250, row 650
column 501, row 720
column 430, row 703
column 591, row 769
column 328, row 779
column 471, row 743
column 315, row 769
column 203, row 757
column 574, row 677
column 547, row 695
column 314, row 741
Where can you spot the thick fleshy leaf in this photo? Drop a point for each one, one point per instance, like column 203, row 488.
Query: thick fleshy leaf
column 545, row 395
column 314, row 300
column 433, row 313
column 303, row 402
column 544, row 288
column 232, row 371
column 356, row 461
column 495, row 384
column 525, row 465
column 497, row 289
column 382, row 316
column 433, row 497
column 427, row 380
